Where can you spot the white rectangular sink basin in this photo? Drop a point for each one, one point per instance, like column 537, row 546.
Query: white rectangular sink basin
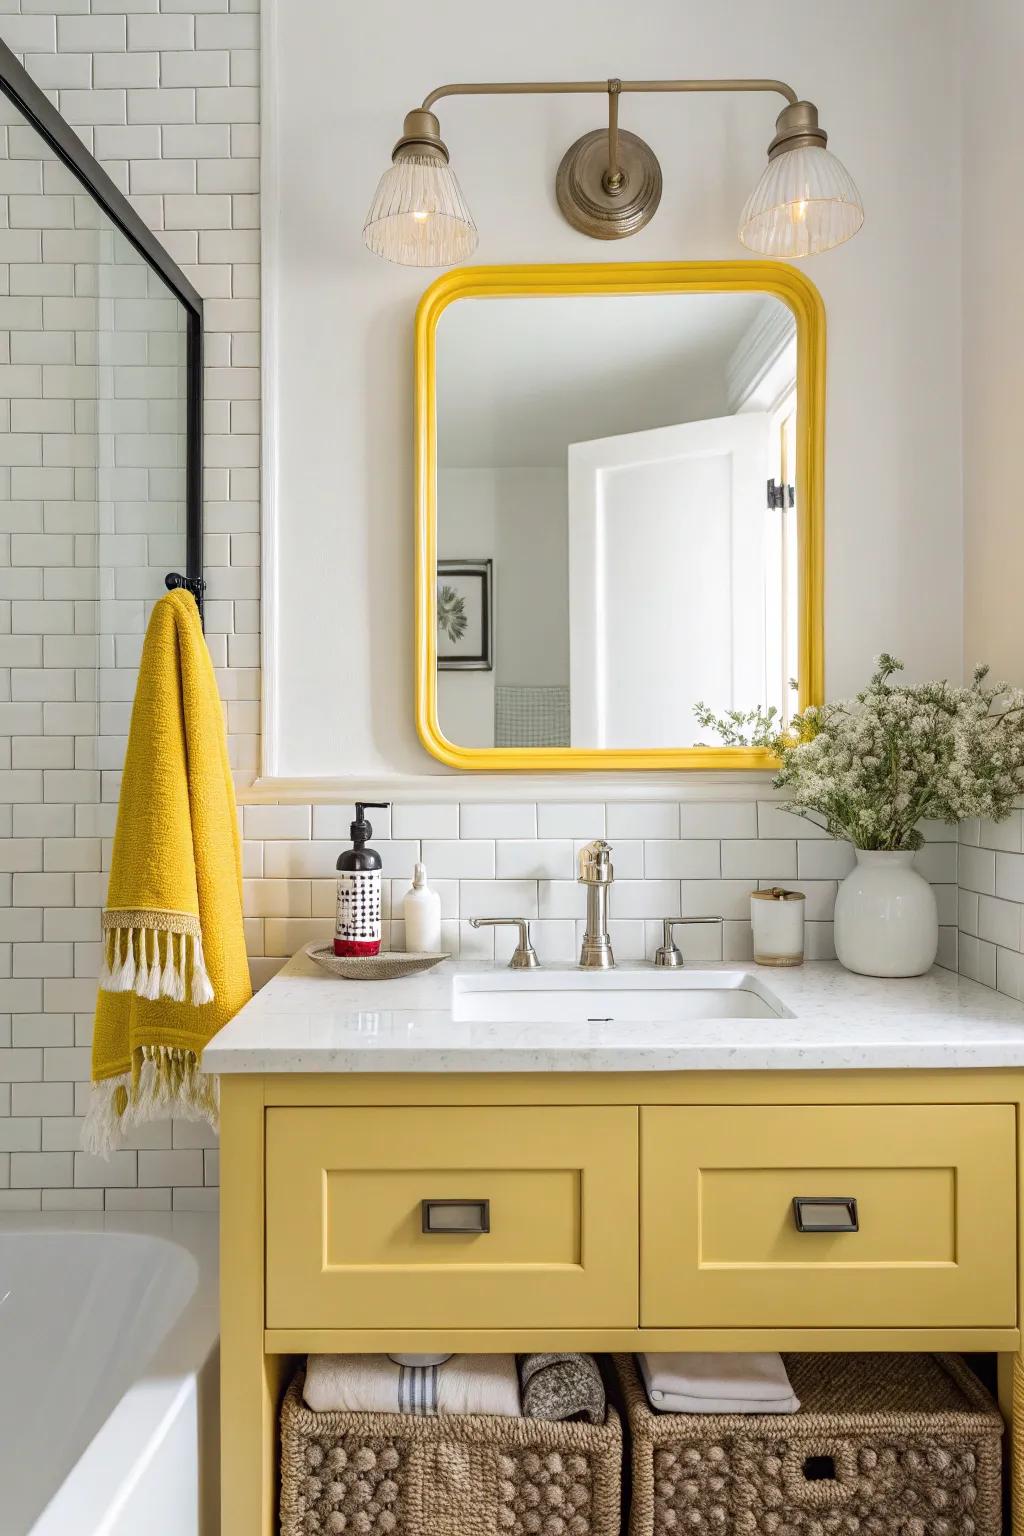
column 605, row 997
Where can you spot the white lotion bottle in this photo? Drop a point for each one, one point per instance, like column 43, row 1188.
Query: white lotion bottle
column 421, row 908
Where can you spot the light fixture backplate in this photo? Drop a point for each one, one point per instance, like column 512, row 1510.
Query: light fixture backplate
column 586, row 202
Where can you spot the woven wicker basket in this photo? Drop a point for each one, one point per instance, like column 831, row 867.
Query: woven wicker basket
column 883, row 1445
column 385, row 1474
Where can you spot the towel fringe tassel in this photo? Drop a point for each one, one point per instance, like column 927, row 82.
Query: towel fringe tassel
column 182, row 978
column 164, row 1080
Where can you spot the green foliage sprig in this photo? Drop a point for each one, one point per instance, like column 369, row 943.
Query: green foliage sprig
column 872, row 768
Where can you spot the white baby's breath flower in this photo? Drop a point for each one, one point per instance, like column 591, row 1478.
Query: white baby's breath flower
column 871, row 768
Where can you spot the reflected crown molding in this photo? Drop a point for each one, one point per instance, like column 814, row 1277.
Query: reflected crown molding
column 756, row 353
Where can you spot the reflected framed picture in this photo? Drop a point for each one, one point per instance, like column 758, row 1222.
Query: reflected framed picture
column 465, row 616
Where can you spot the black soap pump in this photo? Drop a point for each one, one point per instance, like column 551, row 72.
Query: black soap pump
column 357, row 929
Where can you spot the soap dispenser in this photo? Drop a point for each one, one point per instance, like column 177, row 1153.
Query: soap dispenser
column 357, row 929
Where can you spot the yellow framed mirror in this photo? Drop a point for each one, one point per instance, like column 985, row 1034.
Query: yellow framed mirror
column 619, row 511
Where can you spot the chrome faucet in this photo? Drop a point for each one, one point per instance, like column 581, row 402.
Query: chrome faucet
column 597, row 874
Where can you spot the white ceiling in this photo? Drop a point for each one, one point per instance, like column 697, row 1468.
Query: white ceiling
column 518, row 379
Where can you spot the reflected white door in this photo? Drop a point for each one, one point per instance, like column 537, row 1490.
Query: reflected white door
column 666, row 579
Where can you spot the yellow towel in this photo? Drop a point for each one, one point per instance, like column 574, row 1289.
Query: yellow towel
column 174, row 965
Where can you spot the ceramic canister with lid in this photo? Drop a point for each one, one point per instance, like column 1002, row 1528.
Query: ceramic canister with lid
column 777, row 920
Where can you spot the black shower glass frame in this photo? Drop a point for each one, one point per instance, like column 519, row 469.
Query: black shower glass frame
column 37, row 109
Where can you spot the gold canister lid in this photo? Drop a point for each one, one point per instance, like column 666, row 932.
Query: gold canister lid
column 777, row 893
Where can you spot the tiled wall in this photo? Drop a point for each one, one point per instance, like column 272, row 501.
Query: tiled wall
column 166, row 95
column 991, row 903
column 518, row 860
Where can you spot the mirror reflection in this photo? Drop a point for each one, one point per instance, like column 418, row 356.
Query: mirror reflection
column 616, row 516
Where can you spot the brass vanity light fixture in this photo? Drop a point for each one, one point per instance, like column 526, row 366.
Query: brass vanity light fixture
column 609, row 182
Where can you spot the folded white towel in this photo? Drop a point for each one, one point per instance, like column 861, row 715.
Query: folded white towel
column 717, row 1383
column 376, row 1384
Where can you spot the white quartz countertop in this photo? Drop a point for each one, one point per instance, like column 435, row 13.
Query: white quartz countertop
column 306, row 1020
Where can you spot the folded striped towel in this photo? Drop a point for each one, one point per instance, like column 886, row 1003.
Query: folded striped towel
column 463, row 1384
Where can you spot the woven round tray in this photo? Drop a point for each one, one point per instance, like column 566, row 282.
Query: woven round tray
column 389, row 965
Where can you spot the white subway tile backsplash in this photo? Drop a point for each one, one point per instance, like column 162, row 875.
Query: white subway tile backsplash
column 274, row 822
column 555, row 819
column 716, row 819
column 683, row 860
column 1004, row 836
column 977, row 960
column 968, row 911
column 976, row 869
column 562, row 898
column 286, row 860
column 1010, row 876
column 824, row 859
column 457, row 859
column 937, row 862
column 514, row 820
column 498, row 898
column 643, row 820
column 999, row 921
column 716, row 898
column 277, row 898
column 1010, row 973
column 646, row 898
column 534, row 859
column 425, row 821
column 771, row 859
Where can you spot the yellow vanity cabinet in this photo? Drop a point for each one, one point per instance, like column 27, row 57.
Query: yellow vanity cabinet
column 452, row 1217
column 645, row 1210
column 935, row 1236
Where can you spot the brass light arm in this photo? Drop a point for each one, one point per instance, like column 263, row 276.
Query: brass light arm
column 599, row 87
column 610, row 193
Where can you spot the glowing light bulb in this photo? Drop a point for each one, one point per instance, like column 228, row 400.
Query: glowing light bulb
column 420, row 215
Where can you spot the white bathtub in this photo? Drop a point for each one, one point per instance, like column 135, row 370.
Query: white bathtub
column 108, row 1375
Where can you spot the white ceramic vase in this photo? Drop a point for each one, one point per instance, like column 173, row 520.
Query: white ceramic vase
column 886, row 920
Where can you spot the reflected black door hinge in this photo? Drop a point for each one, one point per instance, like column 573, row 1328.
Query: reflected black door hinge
column 780, row 497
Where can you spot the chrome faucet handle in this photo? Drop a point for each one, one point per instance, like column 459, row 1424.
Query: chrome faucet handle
column 668, row 953
column 524, row 956
column 594, row 862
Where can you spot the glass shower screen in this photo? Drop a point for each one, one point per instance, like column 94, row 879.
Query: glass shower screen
column 100, row 498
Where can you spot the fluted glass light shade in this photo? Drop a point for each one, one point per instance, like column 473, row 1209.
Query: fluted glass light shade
column 419, row 216
column 805, row 202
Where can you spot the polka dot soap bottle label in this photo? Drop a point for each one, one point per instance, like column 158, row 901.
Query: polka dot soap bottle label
column 357, row 929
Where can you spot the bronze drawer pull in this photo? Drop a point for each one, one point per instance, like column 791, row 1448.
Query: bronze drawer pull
column 825, row 1213
column 459, row 1216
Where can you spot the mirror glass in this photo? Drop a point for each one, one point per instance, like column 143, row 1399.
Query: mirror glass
column 616, row 516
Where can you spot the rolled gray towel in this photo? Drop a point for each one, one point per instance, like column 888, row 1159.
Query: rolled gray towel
column 561, row 1387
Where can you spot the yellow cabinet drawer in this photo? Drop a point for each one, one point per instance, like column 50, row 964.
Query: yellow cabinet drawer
column 346, row 1246
column 935, row 1187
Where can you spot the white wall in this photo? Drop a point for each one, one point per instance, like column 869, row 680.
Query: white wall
column 992, row 56
column 885, row 79
column 517, row 518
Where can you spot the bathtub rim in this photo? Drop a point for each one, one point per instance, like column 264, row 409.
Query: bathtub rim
column 184, row 1363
